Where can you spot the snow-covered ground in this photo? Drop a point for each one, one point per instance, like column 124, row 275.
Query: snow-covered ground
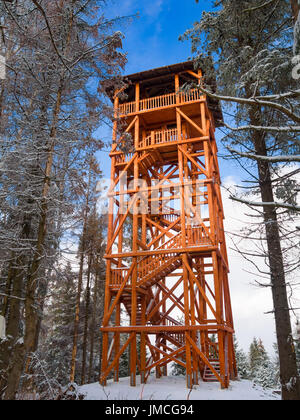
column 174, row 388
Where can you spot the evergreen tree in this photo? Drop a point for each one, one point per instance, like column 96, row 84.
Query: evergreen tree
column 124, row 359
column 265, row 375
column 241, row 361
column 263, row 370
column 57, row 347
column 178, row 370
column 257, row 356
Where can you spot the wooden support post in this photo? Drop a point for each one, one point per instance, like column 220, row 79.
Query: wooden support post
column 177, row 88
column 219, row 312
column 143, row 343
column 194, row 333
column 133, row 346
column 189, row 377
column 117, row 341
column 164, row 341
column 137, row 97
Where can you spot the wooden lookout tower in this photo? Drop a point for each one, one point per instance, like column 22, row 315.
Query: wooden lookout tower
column 171, row 279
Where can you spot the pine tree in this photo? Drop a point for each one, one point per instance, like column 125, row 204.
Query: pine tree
column 124, row 359
column 262, row 369
column 57, row 347
column 241, row 361
column 257, row 356
column 265, row 375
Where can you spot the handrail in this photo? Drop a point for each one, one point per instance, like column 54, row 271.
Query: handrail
column 118, row 275
column 195, row 236
column 162, row 101
column 160, row 137
column 123, row 158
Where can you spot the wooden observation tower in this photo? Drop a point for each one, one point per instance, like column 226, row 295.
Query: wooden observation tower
column 171, row 280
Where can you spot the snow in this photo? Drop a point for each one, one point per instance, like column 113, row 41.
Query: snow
column 174, row 388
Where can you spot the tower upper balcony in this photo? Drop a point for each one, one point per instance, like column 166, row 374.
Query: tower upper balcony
column 161, row 90
column 159, row 102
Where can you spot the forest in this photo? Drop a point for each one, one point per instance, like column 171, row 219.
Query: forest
column 58, row 60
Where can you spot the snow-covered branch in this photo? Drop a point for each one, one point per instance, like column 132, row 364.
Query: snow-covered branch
column 259, row 204
column 253, row 102
column 270, row 159
column 287, row 129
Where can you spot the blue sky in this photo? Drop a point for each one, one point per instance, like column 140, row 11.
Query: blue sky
column 151, row 41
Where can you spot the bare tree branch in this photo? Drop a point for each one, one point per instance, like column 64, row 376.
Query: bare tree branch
column 40, row 8
column 253, row 102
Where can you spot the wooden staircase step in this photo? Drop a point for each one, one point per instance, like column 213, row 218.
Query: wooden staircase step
column 208, row 375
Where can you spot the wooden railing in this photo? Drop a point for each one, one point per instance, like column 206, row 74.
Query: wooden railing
column 171, row 217
column 150, row 264
column 118, row 275
column 163, row 101
column 128, row 108
column 160, row 137
column 197, row 236
column 172, row 243
column 177, row 336
column 122, row 158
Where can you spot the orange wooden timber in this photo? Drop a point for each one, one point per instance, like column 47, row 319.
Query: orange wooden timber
column 172, row 281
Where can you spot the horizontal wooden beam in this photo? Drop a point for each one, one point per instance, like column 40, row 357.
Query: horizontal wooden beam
column 193, row 250
column 156, row 329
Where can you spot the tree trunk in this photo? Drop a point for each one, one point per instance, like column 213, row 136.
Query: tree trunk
column 9, row 281
column 86, row 321
column 295, row 9
column 77, row 312
column 288, row 367
column 92, row 335
column 7, row 348
column 80, row 278
column 15, row 371
column 31, row 317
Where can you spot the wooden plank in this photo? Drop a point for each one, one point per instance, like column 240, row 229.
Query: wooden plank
column 156, row 329
column 168, row 357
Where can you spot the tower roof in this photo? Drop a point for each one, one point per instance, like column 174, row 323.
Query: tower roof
column 160, row 72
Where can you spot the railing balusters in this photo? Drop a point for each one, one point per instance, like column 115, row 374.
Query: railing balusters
column 159, row 102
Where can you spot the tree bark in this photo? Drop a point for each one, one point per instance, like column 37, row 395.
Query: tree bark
column 31, row 317
column 288, row 366
column 295, row 9
column 92, row 335
column 86, row 321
